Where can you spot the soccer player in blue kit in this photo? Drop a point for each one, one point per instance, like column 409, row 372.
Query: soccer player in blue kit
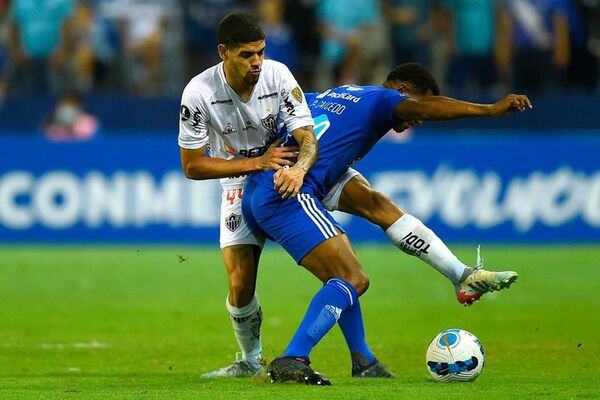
column 349, row 120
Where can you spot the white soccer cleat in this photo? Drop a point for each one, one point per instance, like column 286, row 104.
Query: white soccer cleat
column 239, row 369
column 479, row 281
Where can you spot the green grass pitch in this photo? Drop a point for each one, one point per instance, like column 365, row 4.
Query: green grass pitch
column 144, row 322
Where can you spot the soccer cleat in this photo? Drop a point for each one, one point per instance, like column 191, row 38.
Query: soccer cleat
column 362, row 368
column 239, row 369
column 296, row 369
column 478, row 281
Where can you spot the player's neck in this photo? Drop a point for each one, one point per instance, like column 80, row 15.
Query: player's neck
column 239, row 86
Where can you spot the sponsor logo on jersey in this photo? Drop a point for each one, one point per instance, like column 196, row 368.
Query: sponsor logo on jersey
column 229, row 129
column 228, row 101
column 233, row 222
column 344, row 96
column 353, row 88
column 289, row 107
column 248, row 125
column 297, row 93
column 269, row 122
column 185, row 113
column 267, row 96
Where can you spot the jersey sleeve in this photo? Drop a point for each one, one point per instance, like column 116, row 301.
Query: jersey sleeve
column 193, row 119
column 387, row 100
column 292, row 103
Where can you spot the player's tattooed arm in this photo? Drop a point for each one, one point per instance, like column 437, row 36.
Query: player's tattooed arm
column 430, row 108
column 309, row 149
column 289, row 181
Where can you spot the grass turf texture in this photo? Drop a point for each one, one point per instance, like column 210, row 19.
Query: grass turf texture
column 144, row 322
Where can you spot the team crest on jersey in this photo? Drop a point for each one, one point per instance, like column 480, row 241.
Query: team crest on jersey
column 269, row 122
column 297, row 93
column 233, row 222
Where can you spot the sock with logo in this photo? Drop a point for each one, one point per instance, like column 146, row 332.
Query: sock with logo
column 411, row 236
column 323, row 312
column 246, row 323
column 353, row 328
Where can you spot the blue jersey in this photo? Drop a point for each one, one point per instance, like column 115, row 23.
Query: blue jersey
column 349, row 120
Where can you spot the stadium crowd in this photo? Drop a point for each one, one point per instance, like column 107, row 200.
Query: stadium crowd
column 153, row 47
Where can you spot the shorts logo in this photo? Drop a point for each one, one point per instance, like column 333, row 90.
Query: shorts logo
column 233, row 222
column 269, row 122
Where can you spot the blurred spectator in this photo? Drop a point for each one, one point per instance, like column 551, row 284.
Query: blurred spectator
column 346, row 44
column 535, row 37
column 39, row 40
column 4, row 67
column 592, row 15
column 201, row 20
column 143, row 25
column 300, row 14
column 581, row 72
column 69, row 121
column 410, row 28
column 473, row 33
column 280, row 37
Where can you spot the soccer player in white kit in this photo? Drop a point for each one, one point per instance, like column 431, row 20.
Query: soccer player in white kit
column 229, row 112
column 232, row 112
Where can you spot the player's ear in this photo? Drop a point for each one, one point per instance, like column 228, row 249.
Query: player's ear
column 222, row 52
column 402, row 87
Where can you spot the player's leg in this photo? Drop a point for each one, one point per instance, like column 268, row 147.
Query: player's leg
column 335, row 258
column 337, row 267
column 408, row 233
column 241, row 250
column 354, row 195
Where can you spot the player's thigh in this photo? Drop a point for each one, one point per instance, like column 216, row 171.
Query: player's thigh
column 359, row 198
column 240, row 246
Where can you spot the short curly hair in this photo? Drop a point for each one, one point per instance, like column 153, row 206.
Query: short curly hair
column 417, row 76
column 240, row 27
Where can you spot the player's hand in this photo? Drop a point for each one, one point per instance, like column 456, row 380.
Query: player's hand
column 288, row 181
column 510, row 104
column 277, row 157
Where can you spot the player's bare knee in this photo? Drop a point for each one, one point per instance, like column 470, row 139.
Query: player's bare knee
column 359, row 280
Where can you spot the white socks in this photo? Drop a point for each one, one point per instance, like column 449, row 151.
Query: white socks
column 246, row 323
column 412, row 237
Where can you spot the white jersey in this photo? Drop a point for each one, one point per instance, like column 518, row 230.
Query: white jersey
column 213, row 115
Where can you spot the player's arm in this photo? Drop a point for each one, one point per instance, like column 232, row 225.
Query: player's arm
column 289, row 181
column 432, row 108
column 197, row 165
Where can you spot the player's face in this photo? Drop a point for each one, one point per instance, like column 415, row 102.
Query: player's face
column 245, row 60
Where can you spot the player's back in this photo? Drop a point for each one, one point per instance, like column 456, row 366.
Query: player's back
column 349, row 120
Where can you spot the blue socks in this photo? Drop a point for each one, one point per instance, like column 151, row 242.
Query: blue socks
column 323, row 312
column 351, row 323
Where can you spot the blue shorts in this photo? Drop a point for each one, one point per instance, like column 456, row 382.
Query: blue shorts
column 299, row 224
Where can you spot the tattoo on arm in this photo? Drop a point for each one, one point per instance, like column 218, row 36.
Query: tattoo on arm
column 309, row 150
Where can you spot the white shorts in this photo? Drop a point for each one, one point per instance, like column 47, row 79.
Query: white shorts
column 332, row 200
column 234, row 229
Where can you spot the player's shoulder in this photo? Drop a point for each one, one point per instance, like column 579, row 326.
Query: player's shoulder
column 273, row 70
column 206, row 82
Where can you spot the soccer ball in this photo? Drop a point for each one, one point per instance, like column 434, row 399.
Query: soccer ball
column 455, row 355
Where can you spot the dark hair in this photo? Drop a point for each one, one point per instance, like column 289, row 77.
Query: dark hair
column 238, row 28
column 416, row 75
